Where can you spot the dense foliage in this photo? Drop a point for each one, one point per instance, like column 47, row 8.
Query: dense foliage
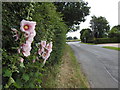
column 73, row 12
column 49, row 27
column 100, row 26
column 114, row 32
column 105, row 40
column 99, row 32
column 86, row 35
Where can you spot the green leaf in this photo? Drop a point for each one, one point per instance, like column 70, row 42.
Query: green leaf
column 25, row 77
column 6, row 86
column 7, row 73
column 11, row 80
column 22, row 65
column 17, row 85
column 39, row 80
column 36, row 74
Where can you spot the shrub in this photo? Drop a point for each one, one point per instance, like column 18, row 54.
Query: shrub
column 106, row 40
column 50, row 27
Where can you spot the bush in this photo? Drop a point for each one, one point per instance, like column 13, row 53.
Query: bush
column 49, row 27
column 106, row 40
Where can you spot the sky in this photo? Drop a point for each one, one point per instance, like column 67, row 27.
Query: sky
column 105, row 8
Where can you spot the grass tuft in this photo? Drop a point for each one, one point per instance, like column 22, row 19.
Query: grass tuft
column 67, row 74
column 113, row 48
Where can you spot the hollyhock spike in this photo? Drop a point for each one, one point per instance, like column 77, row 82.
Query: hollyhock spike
column 16, row 33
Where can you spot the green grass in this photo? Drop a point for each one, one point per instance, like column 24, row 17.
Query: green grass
column 79, row 78
column 113, row 48
column 49, row 78
column 72, row 40
column 89, row 43
column 66, row 74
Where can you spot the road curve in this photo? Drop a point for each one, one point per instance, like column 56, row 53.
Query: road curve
column 100, row 65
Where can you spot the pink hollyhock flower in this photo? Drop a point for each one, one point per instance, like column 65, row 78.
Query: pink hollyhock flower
column 43, row 43
column 26, row 49
column 45, row 55
column 40, row 50
column 29, row 40
column 30, row 36
column 26, row 53
column 27, row 26
column 49, row 47
column 21, row 59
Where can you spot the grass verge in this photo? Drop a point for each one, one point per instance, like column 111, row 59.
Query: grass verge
column 68, row 74
column 72, row 40
column 113, row 48
column 89, row 43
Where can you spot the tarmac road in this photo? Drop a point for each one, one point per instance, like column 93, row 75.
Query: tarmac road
column 100, row 65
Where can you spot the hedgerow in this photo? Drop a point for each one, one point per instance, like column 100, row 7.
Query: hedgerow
column 49, row 27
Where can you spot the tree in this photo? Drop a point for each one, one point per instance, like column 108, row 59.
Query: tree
column 86, row 35
column 73, row 12
column 69, row 38
column 100, row 26
column 75, row 38
column 114, row 32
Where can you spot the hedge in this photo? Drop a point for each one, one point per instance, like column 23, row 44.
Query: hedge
column 106, row 40
column 49, row 27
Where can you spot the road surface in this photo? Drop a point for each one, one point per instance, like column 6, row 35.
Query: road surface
column 100, row 65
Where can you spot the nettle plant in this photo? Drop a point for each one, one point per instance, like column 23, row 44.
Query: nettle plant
column 26, row 66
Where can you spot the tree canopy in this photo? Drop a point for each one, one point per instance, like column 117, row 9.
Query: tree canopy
column 100, row 26
column 73, row 12
column 86, row 34
column 114, row 32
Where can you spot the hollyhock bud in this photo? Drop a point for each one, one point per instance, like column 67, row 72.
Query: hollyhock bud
column 16, row 34
column 18, row 50
column 21, row 59
column 33, row 61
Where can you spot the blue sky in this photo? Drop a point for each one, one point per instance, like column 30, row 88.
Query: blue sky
column 105, row 8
